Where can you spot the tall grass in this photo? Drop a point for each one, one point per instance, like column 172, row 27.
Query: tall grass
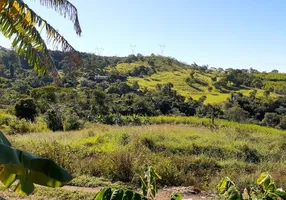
column 182, row 154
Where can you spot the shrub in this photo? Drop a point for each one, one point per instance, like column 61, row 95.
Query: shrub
column 71, row 122
column 236, row 114
column 26, row 108
column 54, row 121
column 111, row 119
column 271, row 119
column 282, row 124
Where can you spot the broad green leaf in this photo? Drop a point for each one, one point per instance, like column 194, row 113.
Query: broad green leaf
column 104, row 194
column 127, row 195
column 265, row 180
column 6, row 177
column 28, row 169
column 24, row 187
column 117, row 194
column 281, row 193
column 4, row 140
column 224, row 185
column 176, row 196
column 228, row 190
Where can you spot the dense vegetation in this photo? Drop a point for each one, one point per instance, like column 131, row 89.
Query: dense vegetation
column 182, row 155
column 109, row 88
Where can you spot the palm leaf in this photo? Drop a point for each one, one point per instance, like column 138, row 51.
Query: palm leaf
column 21, row 22
column 66, row 9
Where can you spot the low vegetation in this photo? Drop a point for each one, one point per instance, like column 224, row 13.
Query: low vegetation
column 182, row 154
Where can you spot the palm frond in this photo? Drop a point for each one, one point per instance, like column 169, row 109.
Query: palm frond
column 53, row 36
column 66, row 9
column 27, row 42
column 24, row 22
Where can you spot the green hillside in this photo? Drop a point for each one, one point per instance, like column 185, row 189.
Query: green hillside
column 120, row 90
column 177, row 73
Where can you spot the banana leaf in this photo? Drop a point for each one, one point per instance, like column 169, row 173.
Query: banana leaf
column 28, row 169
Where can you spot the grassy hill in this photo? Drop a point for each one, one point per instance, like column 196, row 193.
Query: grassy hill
column 168, row 71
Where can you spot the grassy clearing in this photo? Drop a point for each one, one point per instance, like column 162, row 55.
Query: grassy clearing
column 182, row 154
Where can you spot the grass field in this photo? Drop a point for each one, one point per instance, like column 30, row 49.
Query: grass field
column 178, row 78
column 184, row 151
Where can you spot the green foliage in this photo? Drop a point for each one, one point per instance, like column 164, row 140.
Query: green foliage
column 228, row 190
column 26, row 108
column 282, row 124
column 236, row 114
column 71, row 122
column 271, row 119
column 149, row 190
column 118, row 194
column 28, row 169
column 54, row 120
column 148, row 181
column 176, row 196
column 265, row 189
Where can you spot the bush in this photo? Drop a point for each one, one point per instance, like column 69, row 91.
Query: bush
column 271, row 119
column 54, row 121
column 282, row 124
column 111, row 119
column 26, row 108
column 236, row 114
column 71, row 122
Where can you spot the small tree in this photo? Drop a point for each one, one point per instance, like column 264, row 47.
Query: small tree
column 236, row 114
column 282, row 124
column 26, row 108
column 271, row 119
column 54, row 119
column 210, row 89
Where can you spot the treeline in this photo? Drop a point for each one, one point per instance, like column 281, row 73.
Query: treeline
column 94, row 94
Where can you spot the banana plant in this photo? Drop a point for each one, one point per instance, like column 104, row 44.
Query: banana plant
column 149, row 190
column 265, row 189
column 148, row 182
column 121, row 194
column 27, row 169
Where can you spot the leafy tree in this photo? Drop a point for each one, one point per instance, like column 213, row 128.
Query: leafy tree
column 54, row 119
column 26, row 108
column 11, row 61
column 257, row 83
column 236, row 114
column 271, row 119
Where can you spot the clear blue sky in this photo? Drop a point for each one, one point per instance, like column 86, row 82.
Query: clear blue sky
column 221, row 33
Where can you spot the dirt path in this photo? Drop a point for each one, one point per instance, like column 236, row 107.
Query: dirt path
column 188, row 193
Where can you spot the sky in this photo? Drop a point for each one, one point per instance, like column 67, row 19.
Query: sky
column 220, row 33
